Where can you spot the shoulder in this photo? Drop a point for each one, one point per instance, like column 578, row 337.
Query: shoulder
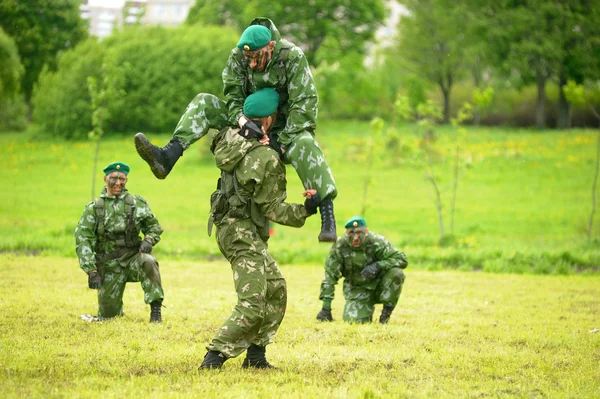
column 139, row 200
column 290, row 51
column 378, row 239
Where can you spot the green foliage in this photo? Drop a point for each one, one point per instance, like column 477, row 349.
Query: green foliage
column 62, row 105
column 41, row 30
column 154, row 74
column 452, row 335
column 12, row 106
column 349, row 90
column 345, row 25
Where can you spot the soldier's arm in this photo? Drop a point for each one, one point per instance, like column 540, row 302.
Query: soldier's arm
column 233, row 78
column 85, row 239
column 387, row 256
column 269, row 195
column 147, row 221
column 303, row 100
column 333, row 272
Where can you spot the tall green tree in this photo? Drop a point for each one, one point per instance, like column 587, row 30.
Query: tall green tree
column 339, row 26
column 432, row 43
column 41, row 29
column 11, row 69
column 542, row 40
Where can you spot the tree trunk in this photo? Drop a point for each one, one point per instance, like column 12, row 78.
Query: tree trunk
column 540, row 108
column 446, row 93
column 564, row 107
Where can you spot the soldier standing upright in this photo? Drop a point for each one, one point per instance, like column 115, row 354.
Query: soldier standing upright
column 261, row 59
column 251, row 191
column 372, row 271
column 110, row 249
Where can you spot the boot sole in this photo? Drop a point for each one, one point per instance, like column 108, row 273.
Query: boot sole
column 144, row 149
column 328, row 237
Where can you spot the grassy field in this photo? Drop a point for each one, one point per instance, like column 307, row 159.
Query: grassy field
column 453, row 335
column 524, row 198
column 522, row 210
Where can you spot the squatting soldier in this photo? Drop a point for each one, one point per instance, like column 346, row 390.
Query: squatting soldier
column 261, row 59
column 110, row 249
column 251, row 191
column 372, row 271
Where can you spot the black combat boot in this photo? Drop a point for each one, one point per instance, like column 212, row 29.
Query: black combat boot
column 161, row 160
column 385, row 314
column 155, row 316
column 212, row 360
column 328, row 233
column 255, row 357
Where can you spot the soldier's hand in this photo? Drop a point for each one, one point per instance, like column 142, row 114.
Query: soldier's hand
column 145, row 247
column 370, row 271
column 312, row 201
column 94, row 280
column 325, row 315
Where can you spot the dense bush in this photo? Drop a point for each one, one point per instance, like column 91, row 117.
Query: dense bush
column 12, row 105
column 61, row 101
column 156, row 72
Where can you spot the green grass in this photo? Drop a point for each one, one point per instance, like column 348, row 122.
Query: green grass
column 453, row 335
column 523, row 203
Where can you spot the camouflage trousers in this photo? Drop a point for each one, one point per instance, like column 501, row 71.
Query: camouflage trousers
column 140, row 268
column 260, row 288
column 207, row 111
column 360, row 301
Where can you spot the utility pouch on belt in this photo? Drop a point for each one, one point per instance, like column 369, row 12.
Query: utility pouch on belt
column 218, row 206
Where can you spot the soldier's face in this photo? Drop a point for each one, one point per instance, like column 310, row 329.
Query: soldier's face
column 258, row 59
column 115, row 183
column 357, row 235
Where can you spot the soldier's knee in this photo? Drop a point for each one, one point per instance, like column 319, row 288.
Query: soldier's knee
column 396, row 275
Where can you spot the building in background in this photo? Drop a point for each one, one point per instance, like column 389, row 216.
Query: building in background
column 106, row 15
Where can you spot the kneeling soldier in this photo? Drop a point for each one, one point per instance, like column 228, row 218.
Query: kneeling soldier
column 110, row 249
column 372, row 273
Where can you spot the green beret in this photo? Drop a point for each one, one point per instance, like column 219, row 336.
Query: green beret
column 116, row 167
column 356, row 221
column 262, row 103
column 254, row 37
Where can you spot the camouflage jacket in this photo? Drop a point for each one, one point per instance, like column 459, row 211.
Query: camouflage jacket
column 287, row 72
column 346, row 261
column 260, row 174
column 115, row 223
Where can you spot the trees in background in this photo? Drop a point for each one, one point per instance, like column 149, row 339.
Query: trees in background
column 11, row 71
column 41, row 29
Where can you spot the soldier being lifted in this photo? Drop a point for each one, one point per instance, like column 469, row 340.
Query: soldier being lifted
column 261, row 59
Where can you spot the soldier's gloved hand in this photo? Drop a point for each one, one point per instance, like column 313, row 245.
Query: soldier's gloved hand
column 325, row 315
column 250, row 129
column 370, row 271
column 94, row 280
column 311, row 203
column 145, row 247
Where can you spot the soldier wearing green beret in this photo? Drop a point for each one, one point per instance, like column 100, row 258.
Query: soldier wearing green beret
column 110, row 249
column 261, row 59
column 372, row 271
column 251, row 191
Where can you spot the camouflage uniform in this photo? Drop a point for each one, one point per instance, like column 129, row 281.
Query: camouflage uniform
column 289, row 73
column 242, row 234
column 361, row 295
column 116, row 256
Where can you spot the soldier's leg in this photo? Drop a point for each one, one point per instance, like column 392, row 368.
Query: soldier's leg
column 206, row 111
column 388, row 292
column 144, row 268
column 360, row 304
column 274, row 313
column 306, row 157
column 110, row 294
column 243, row 249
